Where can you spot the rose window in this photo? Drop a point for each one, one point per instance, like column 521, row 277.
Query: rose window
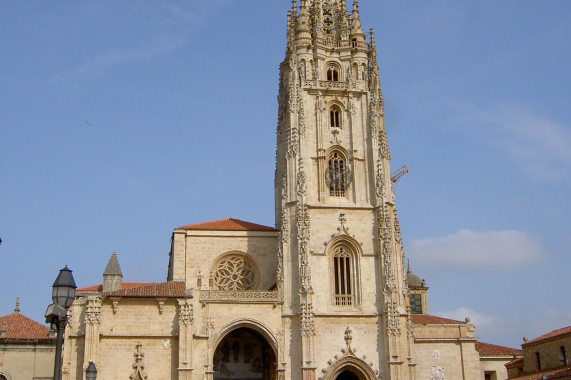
column 234, row 273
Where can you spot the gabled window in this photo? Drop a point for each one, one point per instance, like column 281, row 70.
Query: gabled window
column 335, row 117
column 343, row 273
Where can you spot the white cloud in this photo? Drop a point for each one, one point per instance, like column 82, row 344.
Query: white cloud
column 540, row 146
column 481, row 321
column 500, row 250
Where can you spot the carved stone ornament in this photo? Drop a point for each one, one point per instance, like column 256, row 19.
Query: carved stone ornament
column 437, row 373
column 307, row 320
column 393, row 326
column 319, row 104
column 186, row 316
column 385, row 237
column 210, row 323
column 348, row 355
column 303, row 225
column 380, row 178
column 93, row 311
column 293, row 142
column 352, row 106
column 301, row 117
column 138, row 365
column 409, row 324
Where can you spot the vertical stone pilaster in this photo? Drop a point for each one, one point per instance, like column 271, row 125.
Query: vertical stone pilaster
column 185, row 323
column 92, row 327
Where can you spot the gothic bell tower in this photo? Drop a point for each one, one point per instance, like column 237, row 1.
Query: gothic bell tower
column 341, row 269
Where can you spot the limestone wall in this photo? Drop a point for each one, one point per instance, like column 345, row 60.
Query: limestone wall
column 25, row 361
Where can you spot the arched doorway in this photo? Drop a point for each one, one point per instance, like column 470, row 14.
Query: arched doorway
column 244, row 354
column 347, row 375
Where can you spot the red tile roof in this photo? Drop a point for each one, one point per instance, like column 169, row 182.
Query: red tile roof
column 563, row 373
column 99, row 287
column 425, row 319
column 493, row 349
column 228, row 224
column 163, row 289
column 21, row 328
column 552, row 334
column 515, row 363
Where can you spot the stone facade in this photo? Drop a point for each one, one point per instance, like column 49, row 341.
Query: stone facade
column 545, row 357
column 323, row 295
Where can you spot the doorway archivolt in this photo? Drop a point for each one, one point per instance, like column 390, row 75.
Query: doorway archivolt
column 350, row 368
column 244, row 350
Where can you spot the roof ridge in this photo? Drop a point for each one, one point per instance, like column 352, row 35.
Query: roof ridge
column 227, row 224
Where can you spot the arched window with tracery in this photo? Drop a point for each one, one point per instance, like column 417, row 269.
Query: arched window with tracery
column 335, row 117
column 344, row 276
column 337, row 174
column 332, row 73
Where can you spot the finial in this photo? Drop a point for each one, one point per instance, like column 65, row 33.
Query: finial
column 17, row 307
column 467, row 319
column 408, row 269
column 525, row 339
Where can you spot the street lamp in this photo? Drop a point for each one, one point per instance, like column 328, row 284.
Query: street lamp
column 91, row 372
column 63, row 294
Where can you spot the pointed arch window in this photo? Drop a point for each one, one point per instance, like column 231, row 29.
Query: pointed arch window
column 337, row 175
column 335, row 117
column 344, row 276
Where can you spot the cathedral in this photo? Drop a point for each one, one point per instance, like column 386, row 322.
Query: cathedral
column 326, row 293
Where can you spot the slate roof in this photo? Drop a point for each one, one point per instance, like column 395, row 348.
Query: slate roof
column 494, row 349
column 18, row 327
column 425, row 319
column 549, row 335
column 228, row 224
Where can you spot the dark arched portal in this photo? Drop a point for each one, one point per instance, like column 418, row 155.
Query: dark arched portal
column 244, row 354
column 347, row 375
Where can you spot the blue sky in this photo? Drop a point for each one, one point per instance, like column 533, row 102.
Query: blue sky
column 120, row 121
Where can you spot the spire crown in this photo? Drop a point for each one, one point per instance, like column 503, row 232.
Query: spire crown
column 113, row 268
column 17, row 307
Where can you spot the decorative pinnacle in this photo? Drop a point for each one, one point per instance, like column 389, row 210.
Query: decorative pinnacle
column 372, row 38
column 17, row 307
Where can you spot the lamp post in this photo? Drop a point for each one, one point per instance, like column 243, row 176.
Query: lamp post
column 91, row 372
column 63, row 294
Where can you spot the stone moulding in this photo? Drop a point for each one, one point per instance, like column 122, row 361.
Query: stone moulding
column 360, row 85
column 240, row 296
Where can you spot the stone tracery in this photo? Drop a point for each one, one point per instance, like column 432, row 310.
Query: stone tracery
column 234, row 272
